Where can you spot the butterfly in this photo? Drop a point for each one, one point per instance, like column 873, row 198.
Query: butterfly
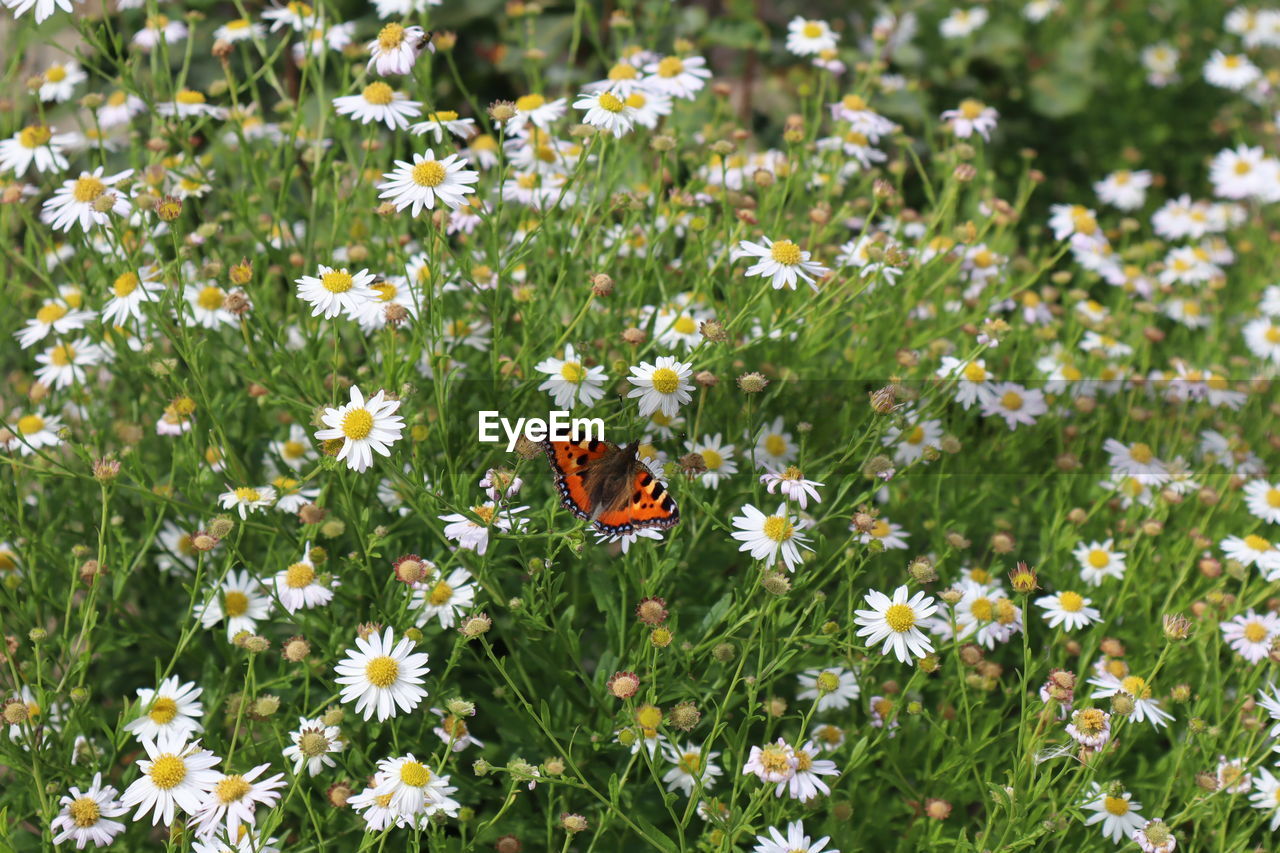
column 607, row 485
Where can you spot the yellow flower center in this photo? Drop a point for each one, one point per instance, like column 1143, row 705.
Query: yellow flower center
column 691, row 763
column 87, row 189
column 775, row 445
column 443, row 115
column 167, row 771
column 916, row 435
column 774, row 759
column 665, row 380
column 391, row 36
column 1072, row 602
column 1141, row 453
column 900, row 617
column 975, row 372
column 982, row 609
column 1273, row 498
column 712, row 459
column 1233, row 61
column 414, row 774
column 1257, row 543
column 235, row 603
column 62, row 355
column 293, row 449
column 971, row 109
column 778, row 528
column 440, row 594
column 313, row 743
column 125, row 284
column 33, row 136
column 827, row 681
column 812, row 29
column 84, row 812
column 804, row 761
column 428, row 173
column 163, row 710
column 1116, row 805
column 247, row 494
column 1136, row 686
column 529, row 103
column 572, row 372
column 337, row 281
column 1099, row 559
column 210, row 298
column 623, row 71
column 485, row 513
column 829, row 734
column 1090, row 721
column 299, row 575
column 1272, row 334
column 51, row 312
column 28, row 424
column 1011, row 400
column 785, row 252
column 55, row 74
column 232, row 789
column 189, row 97
column 357, row 424
column 238, row 24
column 378, row 94
column 1255, row 632
column 670, row 66
column 382, row 671
column 610, row 102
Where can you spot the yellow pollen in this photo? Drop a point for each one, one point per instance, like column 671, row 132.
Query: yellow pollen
column 1255, row 632
column 84, row 812
column 1273, row 498
column 778, row 528
column 812, row 29
column 1272, row 334
column 163, row 710
column 900, row 617
column 1099, row 559
column 87, row 189
column 391, row 36
column 28, row 424
column 443, row 115
column 1011, row 400
column 414, row 774
column 691, row 763
column 975, row 372
column 774, row 759
column 711, row 459
column 379, row 94
column 238, row 24
column 665, row 380
column 210, row 298
column 670, row 67
column 382, row 672
column 337, row 281
column 529, row 103
column 1136, row 686
column 51, row 312
column 1256, row 543
column 623, row 71
column 1141, row 453
column 429, row 173
column 609, row 101
column 829, row 733
column 312, row 743
column 827, row 681
column 55, row 74
column 971, row 109
column 167, row 771
column 440, row 594
column 248, row 494
column 775, row 445
column 232, row 789
column 785, row 252
column 62, row 355
column 125, row 284
column 299, row 575
column 235, row 603
column 1090, row 721
column 573, row 372
column 804, row 761
column 1233, row 61
column 853, row 103
column 357, row 424
column 982, row 609
column 916, row 435
column 486, row 513
column 189, row 97
column 293, row 449
column 35, row 135
column 1116, row 805
column 1072, row 602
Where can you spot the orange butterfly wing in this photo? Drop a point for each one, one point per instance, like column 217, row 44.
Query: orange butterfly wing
column 651, row 505
column 569, row 461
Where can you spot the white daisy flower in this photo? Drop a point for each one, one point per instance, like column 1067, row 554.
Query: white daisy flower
column 295, row 15
column 833, row 688
column 650, row 107
column 312, row 744
column 86, row 201
column 570, row 382
column 794, row 841
column 238, row 601
column 296, row 450
column 444, row 598
column 534, row 109
column 442, row 122
column 1068, row 609
column 381, row 676
column 1016, row 404
column 972, row 116
column 677, row 77
column 34, row 145
column 66, row 364
column 1115, row 809
column 206, row 304
column 298, row 587
column 363, row 428
column 895, row 621
column 54, row 317
column 190, row 103
column 230, row 806
column 59, row 79
column 129, row 291
column 890, row 535
column 1266, row 796
column 972, row 380
column 424, row 181
column 32, row 432
column 772, row 763
column 717, row 457
column 337, row 291
column 963, row 22
column 239, row 29
column 1230, row 71
column 171, row 708
column 806, row 782
column 44, row 8
column 247, row 499
column 1253, row 550
column 791, row 484
column 1249, row 634
column 769, row 537
column 378, row 102
column 782, row 262
column 608, row 111
column 1263, row 500
column 1099, row 560
column 472, row 534
column 692, row 768
column 410, row 789
column 175, row 775
column 662, row 386
column 1124, row 189
column 1144, row 707
column 453, row 731
column 396, row 49
column 810, row 37
column 86, row 817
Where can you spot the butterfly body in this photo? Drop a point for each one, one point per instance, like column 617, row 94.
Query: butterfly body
column 606, row 484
